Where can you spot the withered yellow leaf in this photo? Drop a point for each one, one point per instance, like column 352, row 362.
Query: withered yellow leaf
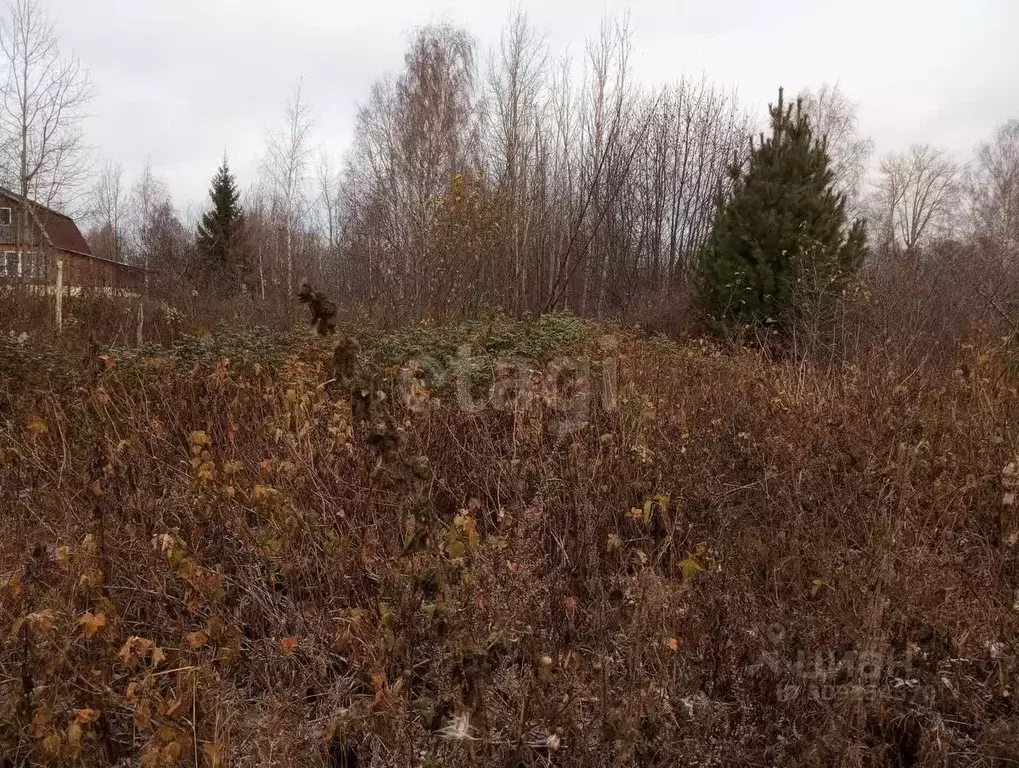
column 41, row 620
column 63, row 556
column 74, row 738
column 173, row 751
column 14, row 588
column 86, row 716
column 134, row 649
column 52, row 743
column 260, row 493
column 142, row 715
column 40, row 724
column 196, row 639
column 690, row 568
column 91, row 623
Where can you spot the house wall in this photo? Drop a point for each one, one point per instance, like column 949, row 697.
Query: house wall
column 85, row 272
column 40, row 268
column 30, row 236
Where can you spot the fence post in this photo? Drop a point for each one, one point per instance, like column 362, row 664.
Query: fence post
column 60, row 294
column 141, row 321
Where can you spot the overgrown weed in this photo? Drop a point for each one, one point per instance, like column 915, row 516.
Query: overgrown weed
column 673, row 553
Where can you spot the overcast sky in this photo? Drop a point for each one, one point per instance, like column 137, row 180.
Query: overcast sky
column 180, row 82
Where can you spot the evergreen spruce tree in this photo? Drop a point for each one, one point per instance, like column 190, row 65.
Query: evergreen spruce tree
column 222, row 263
column 783, row 222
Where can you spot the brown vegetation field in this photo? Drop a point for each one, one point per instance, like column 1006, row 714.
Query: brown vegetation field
column 512, row 543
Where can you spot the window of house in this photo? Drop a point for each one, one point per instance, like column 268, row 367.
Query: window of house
column 9, row 265
column 29, row 265
column 5, row 217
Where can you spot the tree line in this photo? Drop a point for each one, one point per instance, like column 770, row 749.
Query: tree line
column 513, row 177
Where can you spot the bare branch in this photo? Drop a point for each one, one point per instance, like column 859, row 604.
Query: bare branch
column 42, row 103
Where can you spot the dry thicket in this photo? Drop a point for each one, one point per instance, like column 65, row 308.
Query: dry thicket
column 570, row 547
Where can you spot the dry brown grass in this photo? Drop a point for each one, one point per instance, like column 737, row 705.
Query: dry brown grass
column 669, row 582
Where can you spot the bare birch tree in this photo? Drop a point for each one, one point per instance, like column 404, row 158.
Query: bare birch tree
column 438, row 131
column 833, row 116
column 415, row 135
column 918, row 193
column 516, row 82
column 41, row 107
column 286, row 165
column 107, row 209
column 147, row 204
column 329, row 182
column 992, row 188
column 258, row 229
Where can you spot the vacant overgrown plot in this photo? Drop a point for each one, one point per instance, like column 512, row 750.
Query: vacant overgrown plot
column 211, row 555
column 560, row 423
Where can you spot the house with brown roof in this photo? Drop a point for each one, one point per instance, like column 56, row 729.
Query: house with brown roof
column 35, row 238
